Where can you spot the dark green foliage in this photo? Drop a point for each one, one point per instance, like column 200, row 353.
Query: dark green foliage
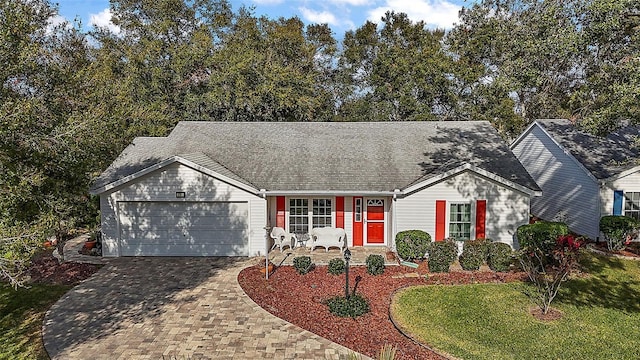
column 336, row 266
column 500, row 256
column 353, row 306
column 441, row 255
column 473, row 255
column 618, row 230
column 483, row 245
column 542, row 234
column 397, row 70
column 375, row 264
column 303, row 264
column 412, row 244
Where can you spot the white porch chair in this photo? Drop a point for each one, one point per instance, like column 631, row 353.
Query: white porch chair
column 281, row 238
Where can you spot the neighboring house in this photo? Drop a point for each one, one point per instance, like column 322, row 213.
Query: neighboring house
column 211, row 188
column 583, row 177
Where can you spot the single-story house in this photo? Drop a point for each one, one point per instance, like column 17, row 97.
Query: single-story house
column 211, row 188
column 583, row 177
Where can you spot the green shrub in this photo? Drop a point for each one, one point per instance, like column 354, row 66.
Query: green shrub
column 441, row 255
column 541, row 235
column 375, row 264
column 483, row 244
column 353, row 306
column 473, row 255
column 336, row 266
column 412, row 244
column 618, row 230
column 500, row 256
column 302, row 264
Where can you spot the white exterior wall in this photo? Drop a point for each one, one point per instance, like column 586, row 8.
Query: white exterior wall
column 569, row 194
column 348, row 219
column 506, row 208
column 162, row 185
column 629, row 183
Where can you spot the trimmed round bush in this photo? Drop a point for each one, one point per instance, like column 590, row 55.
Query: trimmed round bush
column 541, row 235
column 473, row 255
column 336, row 266
column 617, row 230
column 441, row 255
column 500, row 256
column 412, row 244
column 353, row 306
column 483, row 244
column 375, row 264
column 302, row 264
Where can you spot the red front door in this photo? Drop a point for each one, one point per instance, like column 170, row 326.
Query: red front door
column 357, row 221
column 375, row 221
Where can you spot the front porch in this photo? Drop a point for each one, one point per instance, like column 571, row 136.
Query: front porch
column 321, row 257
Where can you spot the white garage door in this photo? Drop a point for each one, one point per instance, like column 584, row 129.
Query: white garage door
column 183, row 228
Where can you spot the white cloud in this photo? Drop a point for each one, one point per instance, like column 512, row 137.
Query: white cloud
column 319, row 17
column 268, row 2
column 438, row 13
column 56, row 20
column 103, row 20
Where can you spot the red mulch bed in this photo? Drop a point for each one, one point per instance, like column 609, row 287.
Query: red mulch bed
column 299, row 300
column 48, row 270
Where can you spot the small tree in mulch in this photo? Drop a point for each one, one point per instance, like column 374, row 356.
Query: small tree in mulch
column 548, row 267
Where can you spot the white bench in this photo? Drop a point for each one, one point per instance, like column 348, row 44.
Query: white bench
column 327, row 237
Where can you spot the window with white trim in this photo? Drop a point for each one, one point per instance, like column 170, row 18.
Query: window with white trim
column 299, row 216
column 319, row 214
column 460, row 221
column 632, row 205
column 322, row 213
column 358, row 210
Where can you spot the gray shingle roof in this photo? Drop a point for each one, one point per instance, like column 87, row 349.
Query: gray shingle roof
column 604, row 157
column 355, row 156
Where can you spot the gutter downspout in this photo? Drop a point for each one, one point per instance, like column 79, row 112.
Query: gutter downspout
column 394, row 225
column 267, row 228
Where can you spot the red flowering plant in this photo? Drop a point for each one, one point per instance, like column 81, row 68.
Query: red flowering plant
column 548, row 267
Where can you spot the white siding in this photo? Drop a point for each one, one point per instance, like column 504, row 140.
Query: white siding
column 569, row 194
column 506, row 208
column 348, row 219
column 629, row 183
column 162, row 185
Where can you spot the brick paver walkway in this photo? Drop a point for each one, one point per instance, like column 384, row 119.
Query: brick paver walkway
column 173, row 308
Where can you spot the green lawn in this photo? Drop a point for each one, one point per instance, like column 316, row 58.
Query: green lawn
column 21, row 315
column 491, row 321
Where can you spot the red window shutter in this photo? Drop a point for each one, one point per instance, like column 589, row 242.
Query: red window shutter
column 280, row 210
column 441, row 215
column 481, row 217
column 340, row 211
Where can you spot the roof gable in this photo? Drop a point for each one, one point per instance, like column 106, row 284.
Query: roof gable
column 298, row 157
column 603, row 157
column 195, row 161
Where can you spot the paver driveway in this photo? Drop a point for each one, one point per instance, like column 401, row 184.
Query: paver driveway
column 173, row 308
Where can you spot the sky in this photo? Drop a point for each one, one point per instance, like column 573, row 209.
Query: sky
column 341, row 15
